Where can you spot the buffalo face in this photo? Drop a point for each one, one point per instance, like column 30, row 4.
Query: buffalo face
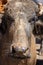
column 21, row 29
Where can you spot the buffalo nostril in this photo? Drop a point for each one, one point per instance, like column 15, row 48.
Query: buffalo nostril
column 24, row 49
column 20, row 49
column 13, row 50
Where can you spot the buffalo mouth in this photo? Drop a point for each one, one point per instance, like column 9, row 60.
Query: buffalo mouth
column 20, row 55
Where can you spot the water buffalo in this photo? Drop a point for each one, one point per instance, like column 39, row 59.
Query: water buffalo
column 17, row 41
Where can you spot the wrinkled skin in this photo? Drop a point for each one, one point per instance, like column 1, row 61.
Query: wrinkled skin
column 18, row 35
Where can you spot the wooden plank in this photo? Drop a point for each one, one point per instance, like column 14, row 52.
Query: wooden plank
column 39, row 57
